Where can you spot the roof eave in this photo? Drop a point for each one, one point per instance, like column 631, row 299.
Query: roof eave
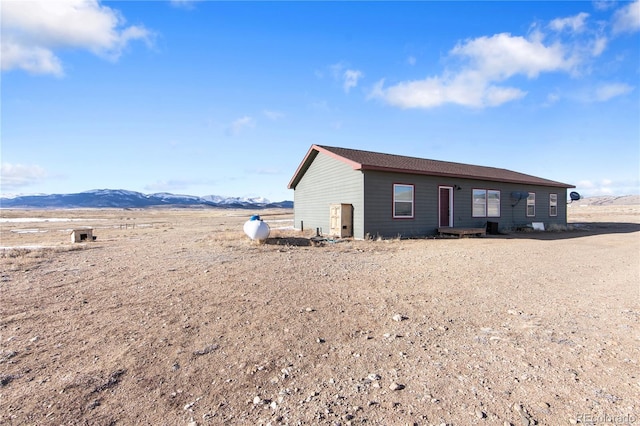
column 302, row 166
column 460, row 176
column 354, row 164
column 315, row 149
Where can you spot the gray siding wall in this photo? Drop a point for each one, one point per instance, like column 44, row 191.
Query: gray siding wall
column 378, row 207
column 328, row 181
column 378, row 219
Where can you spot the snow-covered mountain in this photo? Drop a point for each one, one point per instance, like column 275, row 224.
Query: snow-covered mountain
column 218, row 199
column 120, row 198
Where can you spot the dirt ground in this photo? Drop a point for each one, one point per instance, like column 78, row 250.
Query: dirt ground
column 173, row 317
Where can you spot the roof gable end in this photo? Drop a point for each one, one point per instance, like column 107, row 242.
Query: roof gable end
column 311, row 155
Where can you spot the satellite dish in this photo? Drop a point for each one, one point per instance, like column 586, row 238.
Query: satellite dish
column 519, row 195
column 516, row 196
column 574, row 196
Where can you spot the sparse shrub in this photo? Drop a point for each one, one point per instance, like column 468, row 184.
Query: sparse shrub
column 37, row 252
column 11, row 253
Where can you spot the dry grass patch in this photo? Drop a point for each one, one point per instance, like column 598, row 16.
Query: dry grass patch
column 195, row 323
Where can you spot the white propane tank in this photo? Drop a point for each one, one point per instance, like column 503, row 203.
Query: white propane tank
column 256, row 229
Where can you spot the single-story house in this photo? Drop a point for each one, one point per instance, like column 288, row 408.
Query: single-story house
column 350, row 192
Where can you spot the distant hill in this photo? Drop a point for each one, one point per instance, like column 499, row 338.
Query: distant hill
column 610, row 200
column 119, row 198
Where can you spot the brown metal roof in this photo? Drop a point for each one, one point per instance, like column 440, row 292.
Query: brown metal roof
column 367, row 160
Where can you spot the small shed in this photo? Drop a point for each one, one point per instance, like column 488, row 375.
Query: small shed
column 81, row 235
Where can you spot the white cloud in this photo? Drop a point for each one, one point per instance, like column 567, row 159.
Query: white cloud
column 598, row 45
column 167, row 185
column 411, row 60
column 336, row 70
column 604, row 190
column 33, row 30
column 487, row 61
column 552, row 98
column 503, row 55
column 351, row 78
column 240, row 124
column 574, row 23
column 465, row 89
column 482, row 72
column 32, row 59
column 605, row 186
column 586, row 184
column 612, row 90
column 185, row 4
column 176, row 184
column 601, row 92
column 348, row 77
column 603, row 4
column 627, row 18
column 14, row 176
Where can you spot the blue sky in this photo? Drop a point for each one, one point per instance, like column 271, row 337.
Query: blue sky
column 225, row 98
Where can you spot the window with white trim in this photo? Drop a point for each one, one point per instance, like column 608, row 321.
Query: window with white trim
column 531, row 204
column 493, row 203
column 553, row 204
column 402, row 201
column 479, row 203
column 486, row 203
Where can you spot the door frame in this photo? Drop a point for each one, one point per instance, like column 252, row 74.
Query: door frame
column 450, row 188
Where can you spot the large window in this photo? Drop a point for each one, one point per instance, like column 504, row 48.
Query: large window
column 486, row 203
column 479, row 203
column 531, row 204
column 493, row 203
column 553, row 204
column 402, row 201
